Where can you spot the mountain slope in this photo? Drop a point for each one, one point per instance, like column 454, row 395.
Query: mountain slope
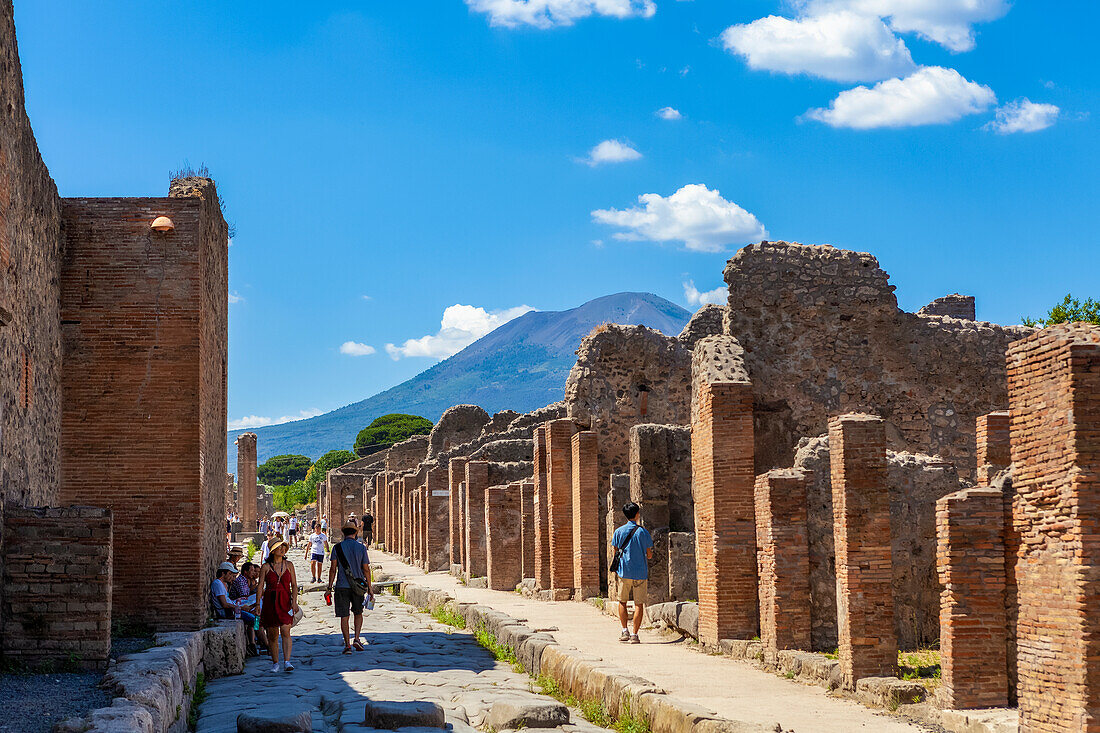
column 520, row 366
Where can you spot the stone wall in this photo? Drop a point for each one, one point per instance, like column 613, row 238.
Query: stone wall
column 30, row 319
column 144, row 324
column 915, row 483
column 458, row 425
column 246, row 482
column 952, row 306
column 823, row 334
column 56, row 604
column 407, row 454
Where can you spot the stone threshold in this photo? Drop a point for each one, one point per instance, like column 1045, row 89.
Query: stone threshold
column 153, row 689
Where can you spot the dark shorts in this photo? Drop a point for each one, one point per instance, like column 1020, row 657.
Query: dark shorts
column 293, row 532
column 343, row 598
column 318, row 557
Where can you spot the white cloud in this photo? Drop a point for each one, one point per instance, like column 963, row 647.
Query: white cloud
column 255, row 421
column 842, row 46
column 236, row 298
column 366, row 297
column 1023, row 115
column 946, row 22
column 931, row 96
column 354, row 348
column 693, row 296
column 669, row 113
column 551, row 13
column 461, row 326
column 611, row 151
column 694, row 215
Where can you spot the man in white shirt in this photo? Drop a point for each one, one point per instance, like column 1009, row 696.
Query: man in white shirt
column 293, row 522
column 318, row 546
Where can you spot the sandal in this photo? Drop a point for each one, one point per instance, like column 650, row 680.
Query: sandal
column 358, row 645
column 347, row 650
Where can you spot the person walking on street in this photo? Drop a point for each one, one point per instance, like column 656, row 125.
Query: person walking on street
column 631, row 549
column 316, row 549
column 293, row 530
column 278, row 591
column 368, row 529
column 349, row 558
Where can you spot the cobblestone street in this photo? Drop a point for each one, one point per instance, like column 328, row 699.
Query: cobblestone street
column 409, row 657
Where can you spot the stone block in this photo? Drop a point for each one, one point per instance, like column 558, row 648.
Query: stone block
column 682, row 584
column 275, row 720
column 390, row 715
column 526, row 713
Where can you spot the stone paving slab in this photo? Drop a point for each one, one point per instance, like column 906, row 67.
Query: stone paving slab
column 409, row 657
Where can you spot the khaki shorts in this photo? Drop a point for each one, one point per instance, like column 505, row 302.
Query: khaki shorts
column 630, row 589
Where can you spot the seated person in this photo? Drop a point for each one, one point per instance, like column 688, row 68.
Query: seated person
column 223, row 607
column 240, row 587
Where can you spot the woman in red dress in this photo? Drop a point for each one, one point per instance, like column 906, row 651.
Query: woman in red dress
column 278, row 594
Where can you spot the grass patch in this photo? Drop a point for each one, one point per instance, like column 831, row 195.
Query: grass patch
column 502, row 652
column 197, row 700
column 593, row 711
column 834, row 654
column 446, row 615
column 922, row 665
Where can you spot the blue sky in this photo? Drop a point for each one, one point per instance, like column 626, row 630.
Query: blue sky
column 386, row 161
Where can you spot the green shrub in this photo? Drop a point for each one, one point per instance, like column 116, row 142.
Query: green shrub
column 283, row 470
column 1069, row 310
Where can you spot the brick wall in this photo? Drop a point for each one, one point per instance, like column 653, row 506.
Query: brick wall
column 501, row 518
column 973, row 627
column 346, row 492
column 416, row 554
column 527, row 528
column 477, row 481
column 144, row 330
column 725, row 531
column 437, row 535
column 994, row 445
column 868, row 645
column 559, row 493
column 783, row 560
column 586, row 515
column 1054, row 401
column 541, row 507
column 456, row 507
column 56, row 604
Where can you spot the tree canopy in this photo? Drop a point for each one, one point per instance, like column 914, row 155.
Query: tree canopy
column 289, row 498
column 390, row 429
column 1069, row 310
column 327, row 462
column 283, row 470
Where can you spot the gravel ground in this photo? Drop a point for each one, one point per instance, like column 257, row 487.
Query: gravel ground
column 34, row 703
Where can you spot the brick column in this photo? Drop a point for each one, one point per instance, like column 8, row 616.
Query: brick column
column 246, row 480
column 477, row 481
column 973, row 627
column 783, row 559
column 994, row 446
column 501, row 518
column 437, row 530
column 1054, row 401
column 559, row 480
column 861, row 535
column 725, row 530
column 527, row 528
column 417, row 525
column 586, row 515
column 407, row 487
column 456, row 474
column 541, row 506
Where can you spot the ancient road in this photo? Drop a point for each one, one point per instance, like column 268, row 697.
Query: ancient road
column 409, row 657
column 731, row 688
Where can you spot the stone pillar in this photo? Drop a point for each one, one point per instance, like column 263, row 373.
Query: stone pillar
column 378, row 508
column 783, row 560
column 1054, row 401
column 618, row 494
column 246, row 480
column 501, row 520
column 725, row 530
column 861, row 536
column 559, row 479
column 586, row 515
column 541, row 506
column 994, row 446
column 437, row 514
column 682, row 583
column 477, row 481
column 456, row 474
column 417, row 526
column 973, row 627
column 527, row 528
column 408, row 485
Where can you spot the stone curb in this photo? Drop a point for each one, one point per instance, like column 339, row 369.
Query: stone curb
column 153, row 689
column 583, row 676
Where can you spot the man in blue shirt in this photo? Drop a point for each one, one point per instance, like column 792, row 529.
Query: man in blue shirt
column 347, row 601
column 636, row 545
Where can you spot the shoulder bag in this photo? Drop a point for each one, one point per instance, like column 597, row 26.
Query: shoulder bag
column 358, row 585
column 618, row 559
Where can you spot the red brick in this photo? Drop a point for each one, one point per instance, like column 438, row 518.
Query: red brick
column 783, row 559
column 585, row 473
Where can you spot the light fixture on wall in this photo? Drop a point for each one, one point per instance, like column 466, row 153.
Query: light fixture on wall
column 162, row 224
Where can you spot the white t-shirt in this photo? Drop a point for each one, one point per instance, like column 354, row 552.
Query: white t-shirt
column 217, row 590
column 294, row 522
column 318, row 542
column 263, row 553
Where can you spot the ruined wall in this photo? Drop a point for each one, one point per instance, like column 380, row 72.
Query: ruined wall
column 660, row 476
column 505, row 451
column 823, row 334
column 56, row 604
column 30, row 330
column 916, row 482
column 144, row 320
column 952, row 306
column 406, row 455
column 707, row 321
column 458, row 425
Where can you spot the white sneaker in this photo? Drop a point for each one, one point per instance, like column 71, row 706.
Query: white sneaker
column 275, row 667
column 287, row 666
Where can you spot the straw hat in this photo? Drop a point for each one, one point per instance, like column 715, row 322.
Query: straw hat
column 277, row 543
